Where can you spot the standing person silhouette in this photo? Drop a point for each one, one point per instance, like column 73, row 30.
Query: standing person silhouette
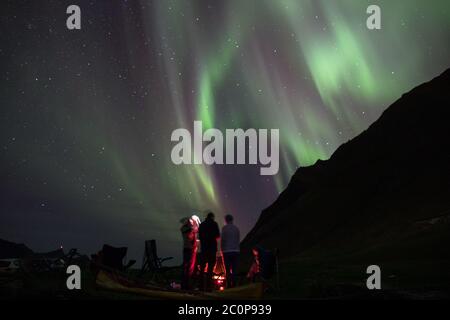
column 208, row 233
column 230, row 242
column 189, row 230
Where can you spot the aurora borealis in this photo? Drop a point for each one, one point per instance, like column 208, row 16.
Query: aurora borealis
column 87, row 115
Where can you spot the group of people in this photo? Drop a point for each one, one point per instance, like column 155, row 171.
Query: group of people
column 200, row 246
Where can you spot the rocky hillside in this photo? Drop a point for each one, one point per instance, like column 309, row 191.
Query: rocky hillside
column 387, row 189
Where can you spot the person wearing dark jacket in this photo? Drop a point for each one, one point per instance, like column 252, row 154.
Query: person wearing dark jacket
column 208, row 233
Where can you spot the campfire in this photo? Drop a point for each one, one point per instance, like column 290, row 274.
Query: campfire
column 219, row 273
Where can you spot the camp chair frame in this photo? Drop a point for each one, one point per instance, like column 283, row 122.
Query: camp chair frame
column 115, row 257
column 152, row 263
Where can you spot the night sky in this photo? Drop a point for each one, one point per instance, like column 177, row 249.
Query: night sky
column 86, row 115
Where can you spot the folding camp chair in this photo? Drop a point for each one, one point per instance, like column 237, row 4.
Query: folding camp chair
column 152, row 263
column 114, row 257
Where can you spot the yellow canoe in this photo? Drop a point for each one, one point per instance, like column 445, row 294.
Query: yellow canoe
column 110, row 281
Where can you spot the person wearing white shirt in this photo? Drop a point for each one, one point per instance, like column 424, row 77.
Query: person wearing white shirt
column 230, row 243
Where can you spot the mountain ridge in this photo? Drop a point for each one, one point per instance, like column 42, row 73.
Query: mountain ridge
column 394, row 173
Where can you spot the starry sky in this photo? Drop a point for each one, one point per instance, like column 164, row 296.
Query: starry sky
column 86, row 115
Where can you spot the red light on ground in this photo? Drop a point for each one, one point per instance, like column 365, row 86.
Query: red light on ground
column 221, row 288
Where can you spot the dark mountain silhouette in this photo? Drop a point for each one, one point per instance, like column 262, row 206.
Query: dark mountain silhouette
column 385, row 192
column 9, row 250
